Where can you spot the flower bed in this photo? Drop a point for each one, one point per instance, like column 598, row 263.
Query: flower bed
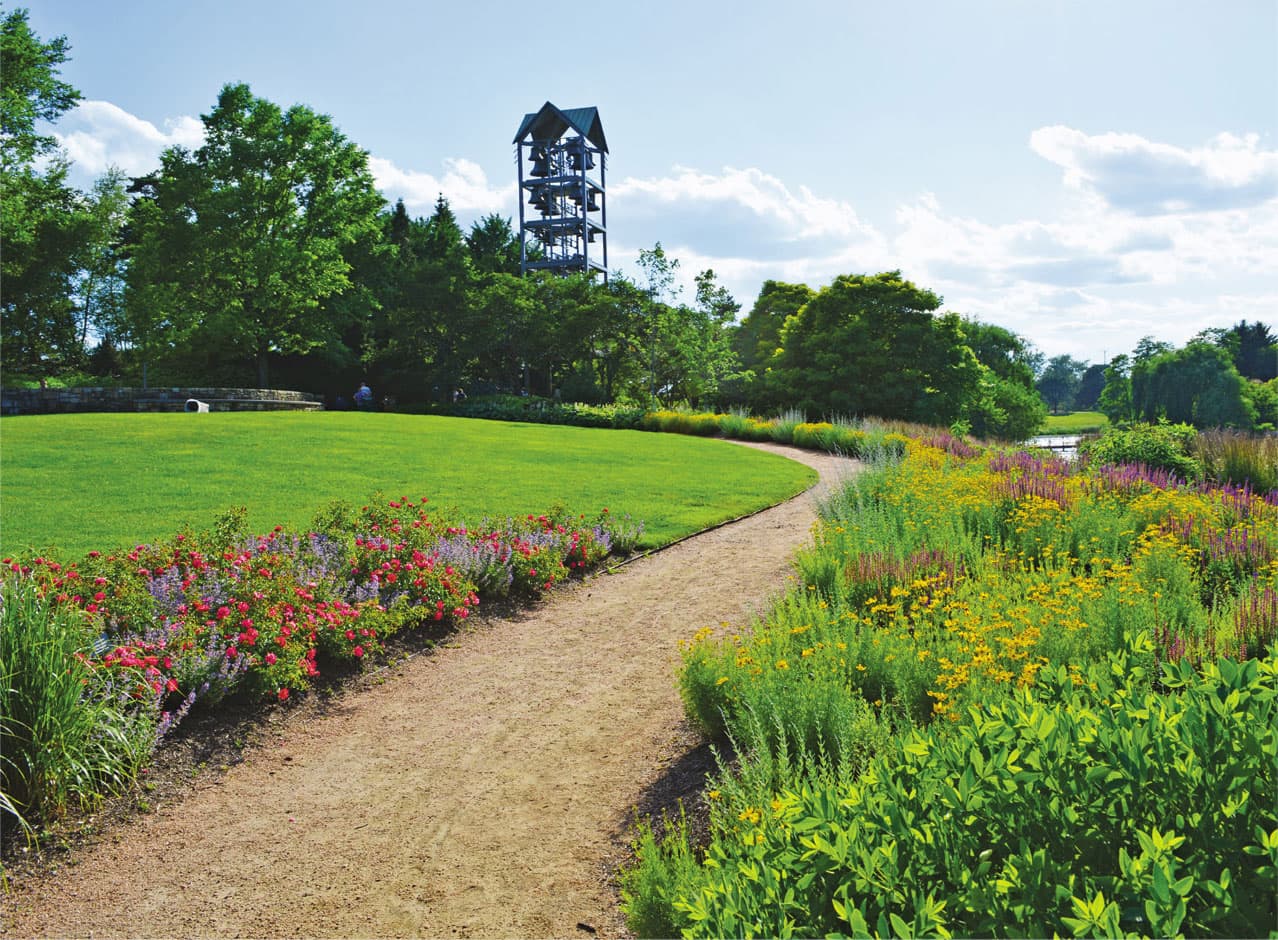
column 987, row 653
column 164, row 628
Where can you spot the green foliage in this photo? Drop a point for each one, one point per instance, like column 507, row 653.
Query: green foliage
column 1078, row 806
column 871, row 345
column 1197, row 385
column 32, row 92
column 757, row 340
column 1264, row 398
column 1163, row 446
column 1059, row 382
column 1116, row 397
column 1090, row 386
column 242, row 240
column 648, row 889
column 68, row 737
column 1004, row 410
column 493, row 245
column 1254, row 349
column 44, row 225
column 538, row 410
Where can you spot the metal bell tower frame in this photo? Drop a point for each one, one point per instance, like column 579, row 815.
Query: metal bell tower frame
column 562, row 157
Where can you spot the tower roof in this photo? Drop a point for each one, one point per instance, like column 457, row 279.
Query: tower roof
column 550, row 122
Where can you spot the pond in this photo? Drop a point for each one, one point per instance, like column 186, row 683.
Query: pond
column 1066, row 445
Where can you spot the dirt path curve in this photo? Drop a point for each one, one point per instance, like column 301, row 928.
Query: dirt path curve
column 481, row 793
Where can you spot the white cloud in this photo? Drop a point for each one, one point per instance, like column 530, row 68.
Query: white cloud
column 99, row 134
column 749, row 226
column 464, row 184
column 1149, row 178
column 735, row 213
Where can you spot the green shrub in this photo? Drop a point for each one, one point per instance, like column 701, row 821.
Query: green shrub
column 1161, row 446
column 1087, row 805
column 536, row 410
column 67, row 737
column 665, row 865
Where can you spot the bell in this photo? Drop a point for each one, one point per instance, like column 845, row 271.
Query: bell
column 592, row 204
column 541, row 166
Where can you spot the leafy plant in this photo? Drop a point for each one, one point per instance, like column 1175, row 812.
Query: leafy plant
column 1160, row 446
column 70, row 733
column 1082, row 805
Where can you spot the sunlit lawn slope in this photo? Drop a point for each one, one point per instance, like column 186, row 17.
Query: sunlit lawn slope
column 82, row 482
column 1076, row 422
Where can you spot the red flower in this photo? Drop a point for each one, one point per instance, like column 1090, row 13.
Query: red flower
column 357, row 652
column 171, row 685
column 270, row 659
column 231, row 652
column 283, row 694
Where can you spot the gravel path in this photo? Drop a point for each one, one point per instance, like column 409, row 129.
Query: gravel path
column 484, row 790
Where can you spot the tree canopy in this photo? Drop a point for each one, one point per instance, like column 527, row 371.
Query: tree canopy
column 44, row 227
column 262, row 212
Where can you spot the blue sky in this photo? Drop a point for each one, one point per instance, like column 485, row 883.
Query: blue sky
column 1085, row 173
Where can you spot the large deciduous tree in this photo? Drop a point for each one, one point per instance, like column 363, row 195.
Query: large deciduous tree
column 1196, row 385
column 1007, row 404
column 871, row 345
column 263, row 212
column 43, row 228
column 1059, row 381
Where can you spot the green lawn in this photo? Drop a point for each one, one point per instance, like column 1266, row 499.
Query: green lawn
column 104, row 481
column 1076, row 422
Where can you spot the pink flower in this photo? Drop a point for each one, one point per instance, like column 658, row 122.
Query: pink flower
column 357, row 652
column 270, row 659
column 231, row 652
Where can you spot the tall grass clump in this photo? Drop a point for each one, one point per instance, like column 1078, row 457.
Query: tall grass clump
column 1239, row 458
column 68, row 735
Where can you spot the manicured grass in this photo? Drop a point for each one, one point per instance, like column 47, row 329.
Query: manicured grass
column 1076, row 422
column 83, row 482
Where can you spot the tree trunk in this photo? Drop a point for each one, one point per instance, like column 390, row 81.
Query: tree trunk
column 262, row 370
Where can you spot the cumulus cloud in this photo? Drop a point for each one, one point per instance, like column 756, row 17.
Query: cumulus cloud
column 741, row 213
column 1149, row 178
column 99, row 134
column 464, row 184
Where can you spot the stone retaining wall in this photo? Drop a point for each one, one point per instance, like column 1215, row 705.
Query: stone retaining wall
column 28, row 401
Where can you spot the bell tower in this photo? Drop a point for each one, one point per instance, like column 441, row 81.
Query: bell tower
column 563, row 215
